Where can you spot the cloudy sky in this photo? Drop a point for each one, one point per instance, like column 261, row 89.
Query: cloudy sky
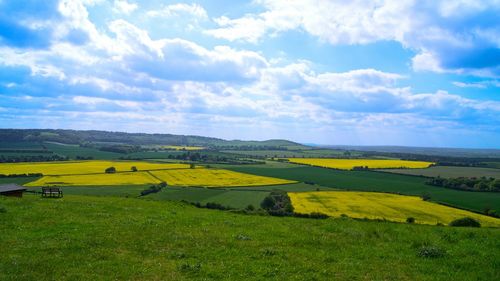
column 420, row 73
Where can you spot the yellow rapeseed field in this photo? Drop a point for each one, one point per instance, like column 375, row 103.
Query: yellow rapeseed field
column 81, row 167
column 214, row 178
column 349, row 164
column 374, row 205
column 128, row 178
column 181, row 147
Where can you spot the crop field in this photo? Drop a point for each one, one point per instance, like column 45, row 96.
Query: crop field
column 182, row 147
column 376, row 181
column 126, row 178
column 374, row 205
column 214, row 178
column 448, row 172
column 81, row 167
column 349, row 164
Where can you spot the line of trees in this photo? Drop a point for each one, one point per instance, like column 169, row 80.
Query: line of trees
column 469, row 184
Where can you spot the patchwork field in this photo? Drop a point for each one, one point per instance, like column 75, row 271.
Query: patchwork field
column 214, row 178
column 128, row 178
column 349, row 164
column 373, row 205
column 448, row 172
column 82, row 167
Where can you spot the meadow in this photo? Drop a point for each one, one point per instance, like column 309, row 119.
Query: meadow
column 349, row 164
column 95, row 238
column 448, row 172
column 373, row 205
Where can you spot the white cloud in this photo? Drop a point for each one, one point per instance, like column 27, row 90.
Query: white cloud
column 448, row 36
column 124, row 7
column 179, row 9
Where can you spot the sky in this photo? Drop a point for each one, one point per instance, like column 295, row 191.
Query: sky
column 414, row 73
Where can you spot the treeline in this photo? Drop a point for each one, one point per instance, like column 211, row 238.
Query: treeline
column 209, row 158
column 469, row 184
column 43, row 151
column 32, row 158
column 124, row 149
column 21, row 175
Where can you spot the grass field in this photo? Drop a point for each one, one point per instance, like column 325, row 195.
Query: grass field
column 291, row 153
column 214, row 178
column 81, row 167
column 349, row 164
column 236, row 199
column 126, row 178
column 448, row 172
column 376, row 181
column 373, row 205
column 95, row 238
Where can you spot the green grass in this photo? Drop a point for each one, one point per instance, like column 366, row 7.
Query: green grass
column 448, row 172
column 110, row 190
column 72, row 151
column 495, row 165
column 107, row 238
column 18, row 180
column 237, row 199
column 382, row 182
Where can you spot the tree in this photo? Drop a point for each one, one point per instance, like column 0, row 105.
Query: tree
column 110, row 170
column 134, row 169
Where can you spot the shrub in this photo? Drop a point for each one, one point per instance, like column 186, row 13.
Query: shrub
column 3, row 209
column 426, row 196
column 110, row 170
column 430, row 251
column 133, row 169
column 410, row 220
column 250, row 208
column 465, row 222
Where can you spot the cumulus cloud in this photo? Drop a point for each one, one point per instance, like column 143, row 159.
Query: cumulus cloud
column 124, row 7
column 449, row 36
column 179, row 9
column 119, row 71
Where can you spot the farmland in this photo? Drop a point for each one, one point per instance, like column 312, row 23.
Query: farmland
column 126, row 178
column 376, row 181
column 349, row 164
column 182, row 147
column 214, row 178
column 448, row 172
column 374, row 205
column 82, row 167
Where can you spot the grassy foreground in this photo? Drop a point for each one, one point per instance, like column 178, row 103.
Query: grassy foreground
column 107, row 238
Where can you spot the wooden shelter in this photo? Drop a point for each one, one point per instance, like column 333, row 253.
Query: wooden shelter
column 12, row 189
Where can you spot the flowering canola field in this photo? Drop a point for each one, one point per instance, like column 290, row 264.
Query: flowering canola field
column 128, row 178
column 374, row 205
column 181, row 147
column 81, row 167
column 349, row 164
column 214, row 178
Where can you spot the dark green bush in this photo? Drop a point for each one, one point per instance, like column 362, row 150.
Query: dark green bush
column 465, row 222
column 410, row 220
column 110, row 170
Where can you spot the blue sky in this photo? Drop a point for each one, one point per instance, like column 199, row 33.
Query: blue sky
column 419, row 73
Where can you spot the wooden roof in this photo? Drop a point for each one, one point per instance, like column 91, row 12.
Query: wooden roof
column 11, row 187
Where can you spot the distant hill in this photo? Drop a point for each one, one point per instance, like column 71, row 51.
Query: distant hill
column 434, row 151
column 79, row 137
